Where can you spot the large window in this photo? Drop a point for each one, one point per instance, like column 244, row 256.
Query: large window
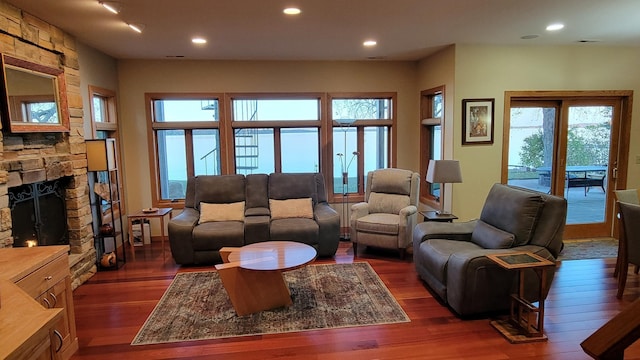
column 362, row 130
column 432, row 120
column 187, row 141
column 276, row 133
column 265, row 133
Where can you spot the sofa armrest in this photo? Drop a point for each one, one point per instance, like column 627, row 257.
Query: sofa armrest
column 359, row 210
column 408, row 218
column 408, row 211
column 443, row 230
column 329, row 229
column 180, row 228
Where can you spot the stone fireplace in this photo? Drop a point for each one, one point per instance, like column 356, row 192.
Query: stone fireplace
column 27, row 159
column 39, row 214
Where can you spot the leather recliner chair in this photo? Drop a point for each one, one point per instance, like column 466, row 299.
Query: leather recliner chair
column 451, row 257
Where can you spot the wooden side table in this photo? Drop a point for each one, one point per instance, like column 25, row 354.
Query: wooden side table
column 436, row 216
column 526, row 321
column 141, row 215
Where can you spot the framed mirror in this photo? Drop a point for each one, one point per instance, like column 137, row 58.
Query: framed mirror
column 34, row 97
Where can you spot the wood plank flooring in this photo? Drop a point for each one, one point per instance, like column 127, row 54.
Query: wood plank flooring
column 112, row 306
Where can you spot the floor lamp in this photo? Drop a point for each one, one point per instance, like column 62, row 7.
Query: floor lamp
column 344, row 168
column 443, row 172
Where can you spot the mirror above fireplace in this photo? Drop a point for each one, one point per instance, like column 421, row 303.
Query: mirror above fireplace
column 33, row 97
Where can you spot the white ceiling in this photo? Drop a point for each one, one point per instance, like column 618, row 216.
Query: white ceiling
column 333, row 29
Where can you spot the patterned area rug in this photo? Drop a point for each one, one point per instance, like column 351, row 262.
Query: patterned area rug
column 589, row 249
column 196, row 305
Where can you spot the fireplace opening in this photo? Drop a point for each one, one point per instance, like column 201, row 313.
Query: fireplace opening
column 39, row 214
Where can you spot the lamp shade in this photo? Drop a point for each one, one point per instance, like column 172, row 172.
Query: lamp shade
column 101, row 154
column 444, row 171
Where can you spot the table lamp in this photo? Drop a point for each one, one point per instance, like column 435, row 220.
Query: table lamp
column 443, row 172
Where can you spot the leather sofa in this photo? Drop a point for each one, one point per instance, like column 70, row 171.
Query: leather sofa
column 451, row 257
column 236, row 210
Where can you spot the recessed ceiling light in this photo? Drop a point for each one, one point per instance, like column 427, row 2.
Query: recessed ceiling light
column 370, row 43
column 136, row 27
column 199, row 40
column 292, row 11
column 555, row 27
column 113, row 6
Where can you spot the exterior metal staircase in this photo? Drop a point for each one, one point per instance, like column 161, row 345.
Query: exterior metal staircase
column 246, row 140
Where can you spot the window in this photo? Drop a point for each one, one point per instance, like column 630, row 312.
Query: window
column 276, row 133
column 432, row 110
column 361, row 138
column 573, row 145
column 35, row 110
column 195, row 134
column 104, row 125
column 187, row 141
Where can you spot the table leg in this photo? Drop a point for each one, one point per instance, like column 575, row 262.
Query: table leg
column 131, row 240
column 162, row 236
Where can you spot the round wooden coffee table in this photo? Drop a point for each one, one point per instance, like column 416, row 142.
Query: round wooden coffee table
column 252, row 274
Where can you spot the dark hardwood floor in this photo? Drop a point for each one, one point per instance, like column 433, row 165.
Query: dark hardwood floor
column 111, row 307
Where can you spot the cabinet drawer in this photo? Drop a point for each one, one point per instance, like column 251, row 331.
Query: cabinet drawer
column 45, row 277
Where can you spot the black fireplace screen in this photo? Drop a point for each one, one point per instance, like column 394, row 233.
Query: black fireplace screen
column 38, row 213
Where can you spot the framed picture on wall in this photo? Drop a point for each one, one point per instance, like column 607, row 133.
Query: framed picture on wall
column 477, row 121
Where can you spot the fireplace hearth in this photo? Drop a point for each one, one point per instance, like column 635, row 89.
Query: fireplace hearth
column 38, row 213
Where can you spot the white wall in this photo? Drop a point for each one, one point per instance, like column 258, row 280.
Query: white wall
column 96, row 69
column 489, row 71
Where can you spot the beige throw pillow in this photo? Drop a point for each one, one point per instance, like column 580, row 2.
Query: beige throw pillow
column 221, row 212
column 291, row 208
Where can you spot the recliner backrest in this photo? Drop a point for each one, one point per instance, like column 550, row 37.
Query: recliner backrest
column 284, row 186
column 219, row 189
column 531, row 216
column 390, row 190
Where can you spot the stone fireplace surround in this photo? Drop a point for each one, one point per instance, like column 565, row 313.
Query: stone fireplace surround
column 28, row 158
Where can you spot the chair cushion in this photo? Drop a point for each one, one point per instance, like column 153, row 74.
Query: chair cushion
column 490, row 237
column 221, row 212
column 379, row 223
column 387, row 203
column 291, row 208
column 295, row 229
column 217, row 234
column 512, row 210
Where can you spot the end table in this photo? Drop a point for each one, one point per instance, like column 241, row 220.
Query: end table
column 148, row 214
column 526, row 321
column 437, row 216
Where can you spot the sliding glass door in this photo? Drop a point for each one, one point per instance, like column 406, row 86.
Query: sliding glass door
column 569, row 148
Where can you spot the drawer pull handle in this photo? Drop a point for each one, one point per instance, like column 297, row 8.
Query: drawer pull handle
column 59, row 336
column 55, row 299
column 46, row 301
column 48, row 278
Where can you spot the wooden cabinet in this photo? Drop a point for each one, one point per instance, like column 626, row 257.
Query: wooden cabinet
column 42, row 275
